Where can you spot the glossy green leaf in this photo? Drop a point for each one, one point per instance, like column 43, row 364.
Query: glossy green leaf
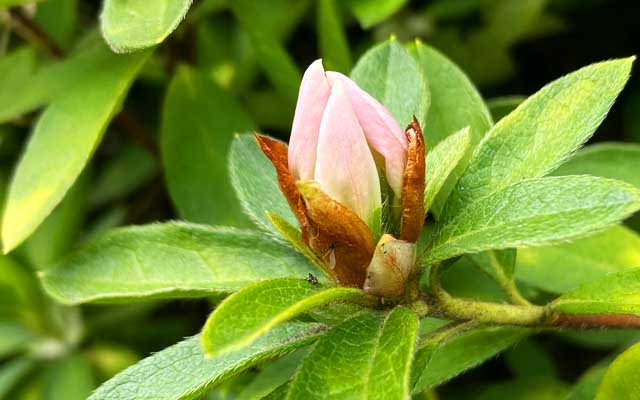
column 182, row 371
column 199, row 121
column 392, row 76
column 441, row 161
column 254, row 310
column 372, row 12
column 256, row 184
column 441, row 358
column 455, row 101
column 536, row 212
column 614, row 294
column 609, row 160
column 70, row 378
column 129, row 25
column 334, row 46
column 588, row 259
column 170, row 260
column 541, row 133
column 43, row 176
column 366, row 357
column 502, row 106
column 622, row 379
column 12, row 372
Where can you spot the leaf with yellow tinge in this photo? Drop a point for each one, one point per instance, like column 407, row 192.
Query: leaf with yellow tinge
column 63, row 140
column 622, row 379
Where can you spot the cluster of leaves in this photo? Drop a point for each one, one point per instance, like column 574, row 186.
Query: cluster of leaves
column 499, row 177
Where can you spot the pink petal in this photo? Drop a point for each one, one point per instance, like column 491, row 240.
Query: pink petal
column 382, row 131
column 312, row 99
column 345, row 168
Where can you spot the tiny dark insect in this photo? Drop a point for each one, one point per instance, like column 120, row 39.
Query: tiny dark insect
column 312, row 279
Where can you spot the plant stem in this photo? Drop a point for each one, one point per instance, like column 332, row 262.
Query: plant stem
column 443, row 305
column 506, row 283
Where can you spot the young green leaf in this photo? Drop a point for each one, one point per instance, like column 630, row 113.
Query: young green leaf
column 199, row 121
column 446, row 355
column 622, row 379
column 372, row 12
column 608, row 160
column 43, row 176
column 183, row 372
column 333, row 42
column 256, row 184
column 129, row 25
column 441, row 161
column 536, row 212
column 368, row 357
column 263, row 306
column 613, row 294
column 591, row 258
column 541, row 133
column 455, row 101
column 170, row 260
column 391, row 75
column 13, row 338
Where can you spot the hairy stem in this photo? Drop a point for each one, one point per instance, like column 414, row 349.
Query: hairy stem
column 443, row 305
column 507, row 284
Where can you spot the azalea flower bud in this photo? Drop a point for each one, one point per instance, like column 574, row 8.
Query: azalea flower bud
column 338, row 133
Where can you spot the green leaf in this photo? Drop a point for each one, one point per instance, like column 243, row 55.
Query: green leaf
column 368, row 356
column 528, row 388
column 198, row 124
column 455, row 104
column 372, row 12
column 536, row 212
column 13, row 338
column 43, row 176
column 58, row 233
column 622, row 379
column 391, row 75
column 263, row 306
column 12, row 372
column 444, row 356
column 587, row 385
column 530, row 359
column 170, row 260
column 333, row 41
column 441, row 161
column 541, row 133
column 273, row 376
column 455, row 101
column 256, row 184
column 608, row 160
column 58, row 18
column 614, row 250
column 131, row 168
column 614, row 294
column 502, row 106
column 16, row 71
column 70, row 378
column 183, row 371
column 271, row 54
column 129, row 25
